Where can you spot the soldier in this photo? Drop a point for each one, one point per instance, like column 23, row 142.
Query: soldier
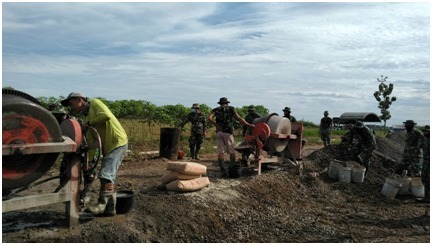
column 366, row 143
column 413, row 156
column 425, row 175
column 325, row 128
column 198, row 125
column 287, row 114
column 224, row 130
column 252, row 115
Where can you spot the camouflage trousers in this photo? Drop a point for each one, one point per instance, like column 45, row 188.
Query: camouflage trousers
column 325, row 136
column 425, row 176
column 195, row 140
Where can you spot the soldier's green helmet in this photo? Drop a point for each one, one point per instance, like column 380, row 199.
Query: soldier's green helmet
column 326, row 113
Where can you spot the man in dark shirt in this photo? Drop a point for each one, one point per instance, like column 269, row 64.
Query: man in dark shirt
column 325, row 128
column 224, row 115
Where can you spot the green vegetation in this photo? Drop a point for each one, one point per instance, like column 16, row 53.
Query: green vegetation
column 384, row 103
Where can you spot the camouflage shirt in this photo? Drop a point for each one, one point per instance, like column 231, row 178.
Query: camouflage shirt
column 249, row 118
column 364, row 136
column 291, row 118
column 326, row 123
column 198, row 122
column 413, row 146
column 224, row 118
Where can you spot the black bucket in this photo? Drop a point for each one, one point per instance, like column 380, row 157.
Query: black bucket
column 124, row 201
column 234, row 171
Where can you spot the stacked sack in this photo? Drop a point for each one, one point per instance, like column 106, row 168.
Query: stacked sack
column 185, row 176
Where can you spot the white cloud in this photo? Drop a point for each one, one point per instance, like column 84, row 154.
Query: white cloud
column 309, row 56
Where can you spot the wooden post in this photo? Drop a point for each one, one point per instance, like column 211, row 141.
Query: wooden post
column 72, row 206
column 169, row 143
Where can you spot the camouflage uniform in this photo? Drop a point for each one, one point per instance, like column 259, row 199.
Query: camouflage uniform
column 224, row 119
column 366, row 143
column 426, row 163
column 413, row 155
column 287, row 114
column 325, row 128
column 224, row 115
column 198, row 124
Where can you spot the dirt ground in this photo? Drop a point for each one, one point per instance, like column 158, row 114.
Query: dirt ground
column 278, row 206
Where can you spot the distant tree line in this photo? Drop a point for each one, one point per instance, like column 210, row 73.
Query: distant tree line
column 149, row 113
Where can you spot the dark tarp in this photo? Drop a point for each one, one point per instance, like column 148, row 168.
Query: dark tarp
column 351, row 117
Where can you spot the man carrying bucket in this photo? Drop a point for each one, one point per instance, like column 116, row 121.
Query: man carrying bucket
column 366, row 143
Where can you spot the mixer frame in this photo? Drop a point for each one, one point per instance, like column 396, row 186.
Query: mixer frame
column 68, row 193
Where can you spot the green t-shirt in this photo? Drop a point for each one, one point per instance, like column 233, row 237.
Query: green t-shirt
column 109, row 128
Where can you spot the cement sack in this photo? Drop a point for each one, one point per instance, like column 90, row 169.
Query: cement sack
column 187, row 167
column 188, row 185
column 173, row 175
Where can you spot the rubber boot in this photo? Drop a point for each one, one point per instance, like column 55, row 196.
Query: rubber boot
column 197, row 151
column 105, row 194
column 110, row 209
column 85, row 196
column 222, row 167
column 192, row 152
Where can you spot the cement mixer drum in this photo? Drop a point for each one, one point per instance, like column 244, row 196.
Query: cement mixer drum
column 278, row 125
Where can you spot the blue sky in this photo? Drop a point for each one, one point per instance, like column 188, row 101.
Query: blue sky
column 308, row 56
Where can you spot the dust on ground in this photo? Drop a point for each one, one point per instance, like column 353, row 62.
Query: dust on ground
column 278, row 206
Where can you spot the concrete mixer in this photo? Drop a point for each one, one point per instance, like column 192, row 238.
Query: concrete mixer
column 32, row 140
column 278, row 136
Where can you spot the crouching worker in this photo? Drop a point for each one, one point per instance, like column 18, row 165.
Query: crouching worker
column 114, row 144
column 366, row 143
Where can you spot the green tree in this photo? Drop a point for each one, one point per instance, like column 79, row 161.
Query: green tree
column 383, row 98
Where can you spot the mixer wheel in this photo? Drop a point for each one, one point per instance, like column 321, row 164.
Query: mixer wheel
column 24, row 121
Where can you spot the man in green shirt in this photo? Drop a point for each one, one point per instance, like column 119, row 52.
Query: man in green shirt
column 114, row 146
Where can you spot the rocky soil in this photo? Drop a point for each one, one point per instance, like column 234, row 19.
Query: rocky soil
column 280, row 205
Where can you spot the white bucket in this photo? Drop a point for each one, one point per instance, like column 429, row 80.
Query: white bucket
column 417, row 187
column 345, row 174
column 405, row 186
column 333, row 171
column 391, row 187
column 358, row 173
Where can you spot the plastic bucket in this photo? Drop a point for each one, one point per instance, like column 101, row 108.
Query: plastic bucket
column 405, row 186
column 333, row 170
column 391, row 187
column 234, row 171
column 344, row 174
column 125, row 201
column 358, row 173
column 416, row 187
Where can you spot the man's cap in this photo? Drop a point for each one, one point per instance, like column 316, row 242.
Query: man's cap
column 326, row 113
column 223, row 100
column 195, row 106
column 287, row 109
column 65, row 102
column 426, row 128
column 410, row 122
column 251, row 108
